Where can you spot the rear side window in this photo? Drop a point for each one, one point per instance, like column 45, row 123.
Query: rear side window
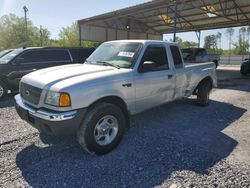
column 158, row 55
column 176, row 56
column 56, row 55
column 44, row 56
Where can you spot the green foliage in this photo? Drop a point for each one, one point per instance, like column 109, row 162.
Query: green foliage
column 185, row 44
column 242, row 46
column 13, row 33
column 210, row 42
column 69, row 36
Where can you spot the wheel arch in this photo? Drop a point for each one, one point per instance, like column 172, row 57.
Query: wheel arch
column 115, row 100
column 207, row 79
column 3, row 79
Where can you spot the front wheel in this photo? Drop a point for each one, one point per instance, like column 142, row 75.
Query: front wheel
column 3, row 90
column 102, row 129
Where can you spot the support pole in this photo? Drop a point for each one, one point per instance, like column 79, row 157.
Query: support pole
column 80, row 34
column 175, row 21
column 26, row 22
column 41, row 35
column 198, row 34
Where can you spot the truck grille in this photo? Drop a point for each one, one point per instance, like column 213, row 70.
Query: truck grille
column 30, row 93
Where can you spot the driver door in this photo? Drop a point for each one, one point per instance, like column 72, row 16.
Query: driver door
column 154, row 86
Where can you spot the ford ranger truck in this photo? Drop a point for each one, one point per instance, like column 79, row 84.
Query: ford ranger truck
column 94, row 100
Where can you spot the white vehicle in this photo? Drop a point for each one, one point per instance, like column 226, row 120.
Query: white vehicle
column 121, row 78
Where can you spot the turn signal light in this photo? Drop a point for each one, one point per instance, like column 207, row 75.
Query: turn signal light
column 64, row 100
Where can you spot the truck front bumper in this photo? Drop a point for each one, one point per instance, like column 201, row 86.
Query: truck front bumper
column 50, row 122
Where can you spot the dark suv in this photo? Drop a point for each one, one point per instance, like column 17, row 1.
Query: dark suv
column 20, row 62
column 245, row 67
column 4, row 52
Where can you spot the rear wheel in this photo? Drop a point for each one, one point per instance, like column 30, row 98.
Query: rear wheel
column 3, row 90
column 216, row 63
column 243, row 70
column 102, row 129
column 203, row 93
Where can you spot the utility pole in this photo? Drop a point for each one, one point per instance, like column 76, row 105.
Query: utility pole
column 175, row 21
column 41, row 35
column 26, row 22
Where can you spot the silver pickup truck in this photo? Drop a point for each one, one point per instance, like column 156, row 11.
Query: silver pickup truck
column 94, row 100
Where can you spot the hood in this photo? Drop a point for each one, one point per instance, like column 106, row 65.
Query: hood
column 63, row 76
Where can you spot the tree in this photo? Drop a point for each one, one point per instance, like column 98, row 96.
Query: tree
column 218, row 36
column 185, row 44
column 69, row 36
column 210, row 43
column 248, row 39
column 12, row 33
column 229, row 33
column 242, row 46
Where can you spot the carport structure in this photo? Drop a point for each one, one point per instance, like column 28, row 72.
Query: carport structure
column 153, row 19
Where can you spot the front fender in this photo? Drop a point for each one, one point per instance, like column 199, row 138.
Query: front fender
column 84, row 97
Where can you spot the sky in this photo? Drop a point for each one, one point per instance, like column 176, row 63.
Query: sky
column 55, row 14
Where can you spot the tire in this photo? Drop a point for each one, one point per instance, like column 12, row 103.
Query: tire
column 203, row 93
column 97, row 137
column 216, row 63
column 3, row 90
column 243, row 70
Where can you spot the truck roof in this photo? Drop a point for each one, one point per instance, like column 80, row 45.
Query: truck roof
column 143, row 41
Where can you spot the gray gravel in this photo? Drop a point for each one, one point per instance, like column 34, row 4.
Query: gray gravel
column 175, row 145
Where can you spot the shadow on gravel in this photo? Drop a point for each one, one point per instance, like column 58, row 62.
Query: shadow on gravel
column 174, row 137
column 232, row 79
column 7, row 101
column 241, row 84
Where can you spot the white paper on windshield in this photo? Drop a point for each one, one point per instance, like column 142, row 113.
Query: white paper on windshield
column 126, row 54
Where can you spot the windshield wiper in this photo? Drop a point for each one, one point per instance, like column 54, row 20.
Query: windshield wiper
column 108, row 64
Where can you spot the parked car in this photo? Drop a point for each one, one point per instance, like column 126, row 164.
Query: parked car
column 121, row 78
column 20, row 62
column 4, row 52
column 194, row 55
column 245, row 67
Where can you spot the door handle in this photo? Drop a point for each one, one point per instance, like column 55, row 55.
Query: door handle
column 170, row 76
column 127, row 85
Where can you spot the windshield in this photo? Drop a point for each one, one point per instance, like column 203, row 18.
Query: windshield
column 2, row 53
column 119, row 54
column 7, row 58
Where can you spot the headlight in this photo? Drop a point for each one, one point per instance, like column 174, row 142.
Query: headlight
column 58, row 99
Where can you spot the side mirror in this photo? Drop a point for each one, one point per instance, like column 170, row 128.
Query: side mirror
column 18, row 61
column 147, row 66
column 246, row 59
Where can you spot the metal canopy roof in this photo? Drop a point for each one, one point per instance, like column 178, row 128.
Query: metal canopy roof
column 157, row 17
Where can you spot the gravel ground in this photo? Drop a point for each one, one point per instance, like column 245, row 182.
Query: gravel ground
column 175, row 145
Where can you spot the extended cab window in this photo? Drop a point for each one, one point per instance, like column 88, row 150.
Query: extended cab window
column 158, row 55
column 176, row 56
